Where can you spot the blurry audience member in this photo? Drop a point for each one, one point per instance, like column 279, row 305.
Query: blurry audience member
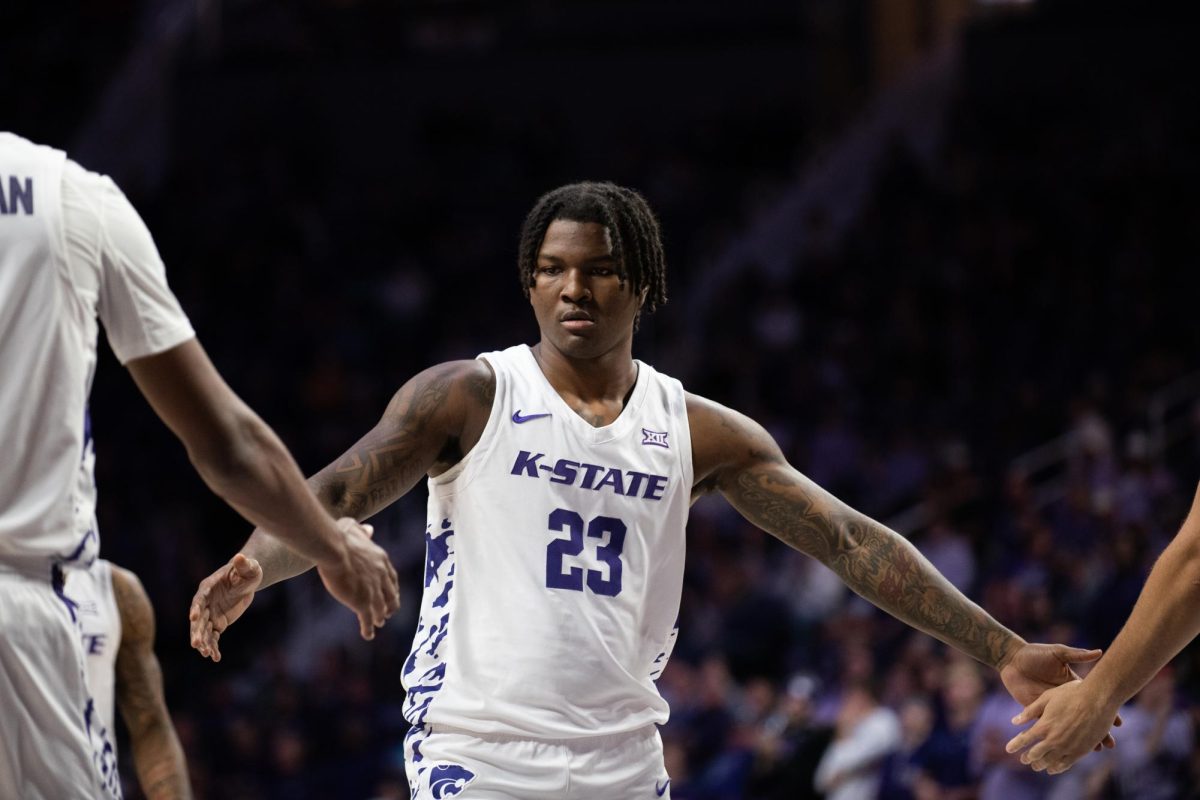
column 865, row 735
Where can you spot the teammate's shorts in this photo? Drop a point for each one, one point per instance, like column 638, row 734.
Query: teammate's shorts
column 48, row 747
column 444, row 763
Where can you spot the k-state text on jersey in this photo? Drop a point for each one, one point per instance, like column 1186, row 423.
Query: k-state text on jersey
column 584, row 475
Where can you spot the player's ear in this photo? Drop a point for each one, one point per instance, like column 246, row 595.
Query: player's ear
column 642, row 295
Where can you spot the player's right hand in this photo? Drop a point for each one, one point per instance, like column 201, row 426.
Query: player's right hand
column 220, row 599
column 363, row 579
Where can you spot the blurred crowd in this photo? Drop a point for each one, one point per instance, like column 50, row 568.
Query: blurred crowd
column 1036, row 279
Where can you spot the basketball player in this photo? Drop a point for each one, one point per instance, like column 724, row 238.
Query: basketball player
column 1165, row 618
column 73, row 250
column 560, row 478
column 117, row 621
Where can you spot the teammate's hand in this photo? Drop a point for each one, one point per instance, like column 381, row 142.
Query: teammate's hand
column 1035, row 668
column 221, row 598
column 363, row 579
column 1070, row 722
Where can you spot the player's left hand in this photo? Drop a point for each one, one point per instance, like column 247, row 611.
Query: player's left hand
column 1071, row 719
column 1035, row 668
column 220, row 599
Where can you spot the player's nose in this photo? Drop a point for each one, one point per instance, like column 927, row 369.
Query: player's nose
column 575, row 287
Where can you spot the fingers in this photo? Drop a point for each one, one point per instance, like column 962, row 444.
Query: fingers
column 244, row 569
column 1032, row 711
column 1075, row 655
column 366, row 627
column 1023, row 739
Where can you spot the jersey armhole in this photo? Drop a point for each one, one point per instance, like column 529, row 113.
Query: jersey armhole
column 461, row 473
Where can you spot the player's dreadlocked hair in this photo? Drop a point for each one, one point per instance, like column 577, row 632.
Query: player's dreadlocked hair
column 636, row 239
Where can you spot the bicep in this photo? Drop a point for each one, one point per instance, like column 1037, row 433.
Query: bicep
column 425, row 414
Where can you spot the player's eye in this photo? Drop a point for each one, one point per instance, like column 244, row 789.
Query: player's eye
column 550, row 269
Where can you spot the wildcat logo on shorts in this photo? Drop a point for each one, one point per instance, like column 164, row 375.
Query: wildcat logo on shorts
column 448, row 780
column 656, row 438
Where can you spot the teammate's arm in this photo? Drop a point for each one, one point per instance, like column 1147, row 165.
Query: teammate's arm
column 734, row 455
column 157, row 755
column 430, row 423
column 243, row 461
column 1165, row 618
column 421, row 426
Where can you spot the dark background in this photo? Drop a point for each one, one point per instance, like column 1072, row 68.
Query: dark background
column 944, row 250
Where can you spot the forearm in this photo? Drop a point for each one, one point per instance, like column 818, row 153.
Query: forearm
column 877, row 563
column 160, row 764
column 1165, row 618
column 886, row 569
column 280, row 562
column 253, row 472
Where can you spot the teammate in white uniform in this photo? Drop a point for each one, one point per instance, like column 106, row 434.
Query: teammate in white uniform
column 73, row 250
column 559, row 482
column 117, row 622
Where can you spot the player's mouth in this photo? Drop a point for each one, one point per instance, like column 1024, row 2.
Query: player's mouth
column 577, row 321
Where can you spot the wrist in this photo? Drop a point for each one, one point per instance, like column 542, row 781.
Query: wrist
column 1009, row 650
column 336, row 550
column 1103, row 691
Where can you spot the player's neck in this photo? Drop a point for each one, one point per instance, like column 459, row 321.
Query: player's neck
column 607, row 377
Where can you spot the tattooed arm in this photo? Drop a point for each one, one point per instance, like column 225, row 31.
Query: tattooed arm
column 430, row 424
column 735, row 456
column 157, row 755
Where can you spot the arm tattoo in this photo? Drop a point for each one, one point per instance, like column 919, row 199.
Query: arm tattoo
column 380, row 468
column 877, row 563
column 157, row 755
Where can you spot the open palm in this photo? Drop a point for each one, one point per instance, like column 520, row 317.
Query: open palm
column 220, row 600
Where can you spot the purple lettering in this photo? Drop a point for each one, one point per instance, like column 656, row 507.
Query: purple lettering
column 526, row 464
column 19, row 195
column 589, row 474
column 655, row 487
column 565, row 471
column 613, row 479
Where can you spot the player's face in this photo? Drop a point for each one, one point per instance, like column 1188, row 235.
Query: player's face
column 581, row 308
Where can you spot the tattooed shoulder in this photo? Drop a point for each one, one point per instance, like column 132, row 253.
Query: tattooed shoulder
column 481, row 384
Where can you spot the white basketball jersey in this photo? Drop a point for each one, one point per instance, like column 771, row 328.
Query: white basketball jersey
column 100, row 622
column 554, row 564
column 72, row 250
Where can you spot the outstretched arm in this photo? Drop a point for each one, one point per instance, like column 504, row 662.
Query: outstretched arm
column 421, row 429
column 732, row 454
column 243, row 461
column 157, row 755
column 1165, row 618
column 431, row 422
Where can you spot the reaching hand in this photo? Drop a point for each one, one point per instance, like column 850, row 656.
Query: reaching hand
column 1034, row 668
column 1071, row 721
column 221, row 598
column 363, row 579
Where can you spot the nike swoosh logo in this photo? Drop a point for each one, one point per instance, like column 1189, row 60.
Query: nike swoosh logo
column 661, row 790
column 517, row 418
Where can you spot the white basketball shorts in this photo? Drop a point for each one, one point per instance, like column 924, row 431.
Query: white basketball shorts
column 443, row 763
column 50, row 747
